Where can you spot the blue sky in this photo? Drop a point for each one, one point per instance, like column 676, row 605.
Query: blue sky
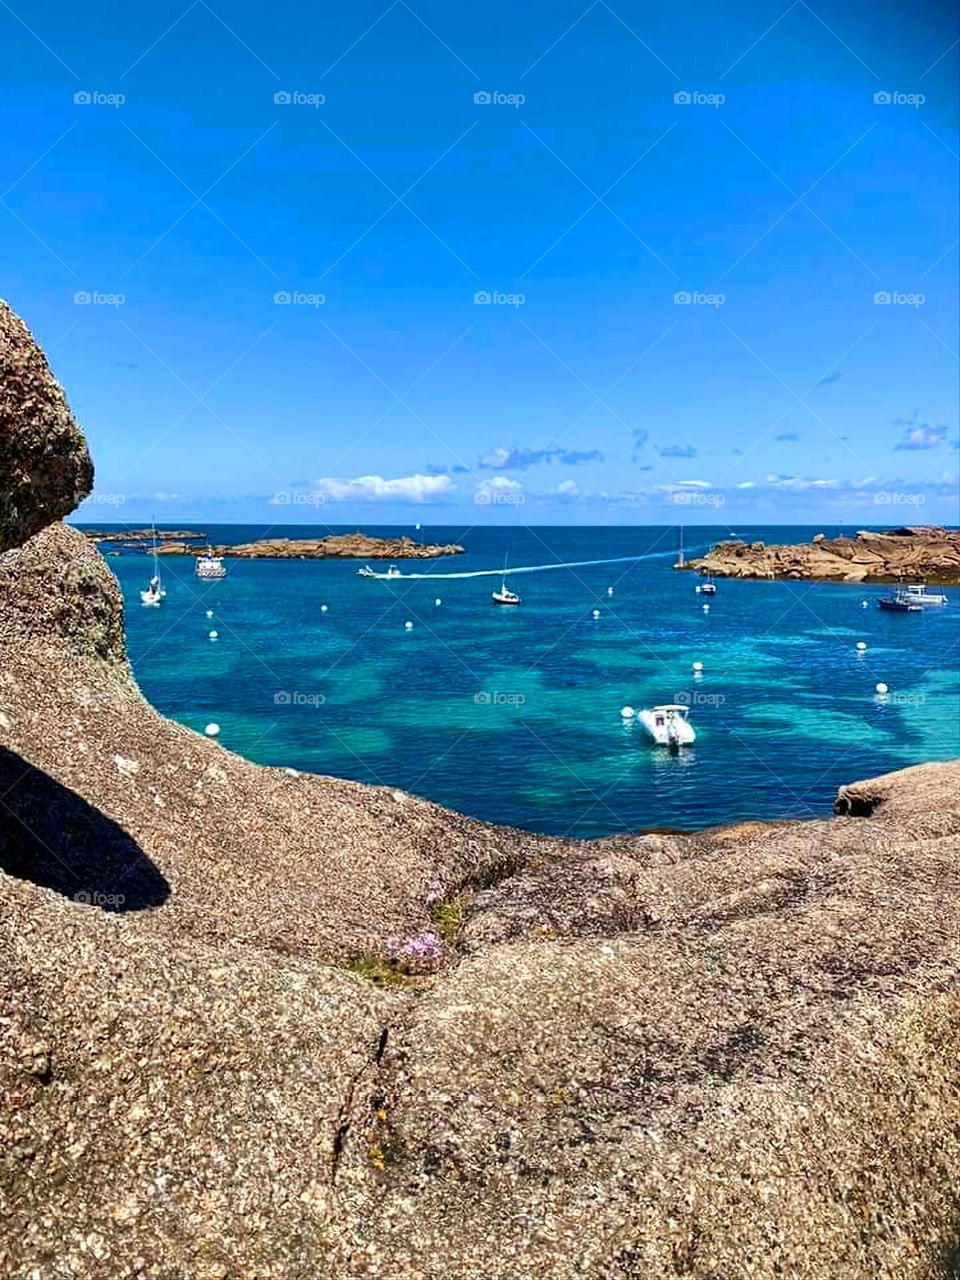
column 583, row 166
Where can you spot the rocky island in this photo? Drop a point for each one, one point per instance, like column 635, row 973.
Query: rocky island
column 341, row 546
column 141, row 535
column 912, row 554
column 713, row 1055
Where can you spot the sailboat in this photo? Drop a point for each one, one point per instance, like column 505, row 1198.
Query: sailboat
column 504, row 595
column 154, row 593
column 681, row 563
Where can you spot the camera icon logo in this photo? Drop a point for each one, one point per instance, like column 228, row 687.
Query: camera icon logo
column 481, row 297
column 482, row 98
column 683, row 297
column 682, row 98
column 882, row 98
column 282, row 99
column 882, row 297
column 282, row 698
column 82, row 98
column 282, row 298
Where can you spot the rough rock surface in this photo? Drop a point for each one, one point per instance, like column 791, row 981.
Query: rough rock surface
column 913, row 554
column 713, row 1056
column 341, row 546
column 45, row 469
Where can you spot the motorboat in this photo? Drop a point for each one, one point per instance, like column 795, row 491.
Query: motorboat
column 901, row 602
column 393, row 572
column 366, row 572
column 210, row 567
column 668, row 725
column 708, row 588
column 917, row 593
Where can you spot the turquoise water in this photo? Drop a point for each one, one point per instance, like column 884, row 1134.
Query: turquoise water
column 513, row 715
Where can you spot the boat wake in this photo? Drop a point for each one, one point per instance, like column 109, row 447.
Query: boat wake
column 529, row 568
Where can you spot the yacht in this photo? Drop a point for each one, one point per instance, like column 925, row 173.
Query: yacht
column 504, row 595
column 900, row 602
column 668, row 725
column 210, row 567
column 918, row 594
column 708, row 588
column 154, row 593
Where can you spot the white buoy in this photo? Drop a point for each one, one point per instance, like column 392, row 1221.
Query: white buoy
column 408, row 626
column 861, row 647
column 212, row 730
column 698, row 666
column 627, row 713
column 209, row 613
column 697, row 590
column 706, row 608
column 323, row 608
column 214, row 635
column 864, row 604
column 595, row 615
column 609, row 591
column 882, row 688
column 438, row 602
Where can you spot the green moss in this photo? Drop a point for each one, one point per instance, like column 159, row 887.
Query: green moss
column 379, row 971
column 448, row 917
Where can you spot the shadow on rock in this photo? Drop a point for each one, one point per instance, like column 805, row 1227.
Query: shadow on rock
column 52, row 837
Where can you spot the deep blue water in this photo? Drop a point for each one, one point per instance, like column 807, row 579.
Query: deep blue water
column 513, row 715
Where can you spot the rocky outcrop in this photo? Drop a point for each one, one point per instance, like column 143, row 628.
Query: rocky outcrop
column 141, row 535
column 916, row 554
column 713, row 1055
column 45, row 470
column 341, row 546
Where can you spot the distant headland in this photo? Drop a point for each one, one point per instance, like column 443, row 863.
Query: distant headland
column 922, row 552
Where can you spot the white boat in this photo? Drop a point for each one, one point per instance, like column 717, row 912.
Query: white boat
column 393, row 572
column 210, row 567
column 668, row 725
column 917, row 593
column 366, row 572
column 154, row 593
column 708, row 588
column 504, row 595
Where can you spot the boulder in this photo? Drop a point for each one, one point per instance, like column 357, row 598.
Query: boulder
column 45, row 469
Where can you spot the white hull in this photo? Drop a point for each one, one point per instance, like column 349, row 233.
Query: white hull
column 666, row 730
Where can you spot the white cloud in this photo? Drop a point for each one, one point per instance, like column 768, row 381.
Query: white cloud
column 498, row 487
column 416, row 489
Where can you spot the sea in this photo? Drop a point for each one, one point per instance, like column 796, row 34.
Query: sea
column 513, row 715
